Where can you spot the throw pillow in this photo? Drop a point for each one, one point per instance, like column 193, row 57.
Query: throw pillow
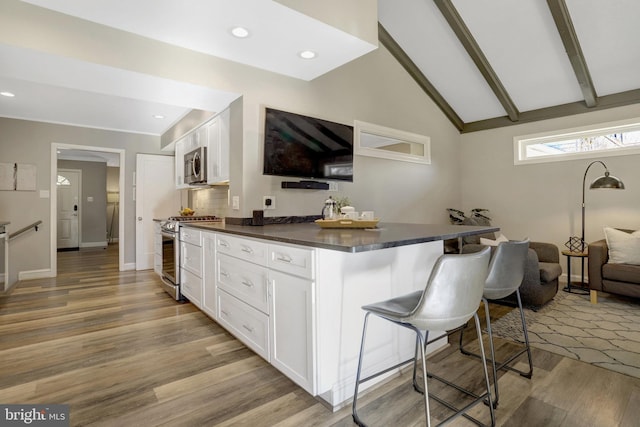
column 490, row 242
column 624, row 248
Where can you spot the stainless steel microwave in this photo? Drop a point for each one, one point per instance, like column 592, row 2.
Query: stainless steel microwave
column 195, row 166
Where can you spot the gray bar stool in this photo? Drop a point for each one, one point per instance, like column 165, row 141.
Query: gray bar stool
column 506, row 271
column 451, row 297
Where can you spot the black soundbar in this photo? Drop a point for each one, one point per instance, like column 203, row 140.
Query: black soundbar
column 309, row 185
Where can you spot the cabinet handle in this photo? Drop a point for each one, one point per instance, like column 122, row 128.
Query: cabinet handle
column 247, row 249
column 224, row 312
column 283, row 258
column 224, row 273
column 247, row 283
column 224, row 243
column 248, row 328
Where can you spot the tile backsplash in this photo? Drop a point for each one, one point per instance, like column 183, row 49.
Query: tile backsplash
column 210, row 201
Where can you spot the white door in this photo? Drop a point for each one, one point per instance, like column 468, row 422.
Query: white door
column 156, row 198
column 68, row 203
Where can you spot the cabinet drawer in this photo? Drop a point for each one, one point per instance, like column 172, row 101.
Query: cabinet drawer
column 245, row 322
column 292, row 259
column 247, row 249
column 191, row 235
column 248, row 282
column 191, row 258
column 191, row 287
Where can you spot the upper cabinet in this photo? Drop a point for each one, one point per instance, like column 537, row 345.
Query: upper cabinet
column 214, row 135
column 218, row 148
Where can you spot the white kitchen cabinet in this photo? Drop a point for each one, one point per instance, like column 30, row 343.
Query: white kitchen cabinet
column 244, row 280
column 209, row 291
column 291, row 326
column 191, row 265
column 245, row 322
column 214, row 135
column 272, row 282
column 218, row 144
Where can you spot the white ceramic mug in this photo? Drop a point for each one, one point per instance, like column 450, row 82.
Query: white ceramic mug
column 368, row 215
column 351, row 215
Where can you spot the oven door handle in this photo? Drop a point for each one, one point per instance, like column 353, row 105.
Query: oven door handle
column 169, row 235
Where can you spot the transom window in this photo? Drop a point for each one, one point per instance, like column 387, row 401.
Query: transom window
column 602, row 141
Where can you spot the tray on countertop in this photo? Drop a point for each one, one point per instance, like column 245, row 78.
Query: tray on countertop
column 347, row 223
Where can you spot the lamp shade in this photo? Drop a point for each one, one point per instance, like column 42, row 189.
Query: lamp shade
column 607, row 181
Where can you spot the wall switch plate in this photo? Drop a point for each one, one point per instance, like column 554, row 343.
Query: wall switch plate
column 268, row 202
column 235, row 203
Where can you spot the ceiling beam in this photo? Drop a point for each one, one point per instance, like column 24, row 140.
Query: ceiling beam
column 604, row 102
column 410, row 67
column 561, row 17
column 461, row 30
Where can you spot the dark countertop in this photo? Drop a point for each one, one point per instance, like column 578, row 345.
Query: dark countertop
column 387, row 235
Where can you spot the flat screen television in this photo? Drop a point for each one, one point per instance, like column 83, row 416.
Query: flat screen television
column 305, row 147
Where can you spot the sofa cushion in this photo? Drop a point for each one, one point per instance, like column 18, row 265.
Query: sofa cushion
column 549, row 271
column 621, row 273
column 624, row 248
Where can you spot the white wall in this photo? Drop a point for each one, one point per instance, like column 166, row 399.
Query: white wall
column 543, row 201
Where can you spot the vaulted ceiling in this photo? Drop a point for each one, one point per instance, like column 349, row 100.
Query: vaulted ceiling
column 494, row 63
column 486, row 63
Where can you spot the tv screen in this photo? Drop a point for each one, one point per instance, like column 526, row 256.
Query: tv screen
column 306, row 147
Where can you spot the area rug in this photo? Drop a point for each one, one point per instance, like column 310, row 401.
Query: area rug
column 606, row 334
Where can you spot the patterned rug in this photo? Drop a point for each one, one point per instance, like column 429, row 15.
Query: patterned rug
column 606, row 334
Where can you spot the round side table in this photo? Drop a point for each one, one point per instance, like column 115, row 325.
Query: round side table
column 575, row 287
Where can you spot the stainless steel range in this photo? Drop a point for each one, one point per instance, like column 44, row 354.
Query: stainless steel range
column 171, row 250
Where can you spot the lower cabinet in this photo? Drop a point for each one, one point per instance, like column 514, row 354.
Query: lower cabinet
column 262, row 293
column 245, row 322
column 292, row 327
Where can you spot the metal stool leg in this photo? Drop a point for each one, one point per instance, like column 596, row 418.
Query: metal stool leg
column 354, row 412
column 505, row 364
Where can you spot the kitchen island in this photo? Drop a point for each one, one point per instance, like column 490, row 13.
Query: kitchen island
column 293, row 292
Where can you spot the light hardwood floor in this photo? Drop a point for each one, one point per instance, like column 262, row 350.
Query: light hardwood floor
column 120, row 352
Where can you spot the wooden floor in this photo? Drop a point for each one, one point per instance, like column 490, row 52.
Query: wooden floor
column 120, row 352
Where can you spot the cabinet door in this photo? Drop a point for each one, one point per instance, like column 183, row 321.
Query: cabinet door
column 191, row 287
column 291, row 324
column 191, row 258
column 209, row 280
column 218, row 148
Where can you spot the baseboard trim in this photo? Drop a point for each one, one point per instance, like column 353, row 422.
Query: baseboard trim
column 94, row 244
column 129, row 266
column 35, row 274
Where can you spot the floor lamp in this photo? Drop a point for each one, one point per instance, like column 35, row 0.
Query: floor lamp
column 576, row 245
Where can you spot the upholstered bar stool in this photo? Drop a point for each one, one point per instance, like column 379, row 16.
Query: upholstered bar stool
column 506, row 271
column 451, row 297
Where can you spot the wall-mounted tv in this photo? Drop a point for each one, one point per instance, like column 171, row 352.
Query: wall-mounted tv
column 305, row 147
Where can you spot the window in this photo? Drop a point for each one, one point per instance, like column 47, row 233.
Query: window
column 387, row 143
column 62, row 180
column 614, row 139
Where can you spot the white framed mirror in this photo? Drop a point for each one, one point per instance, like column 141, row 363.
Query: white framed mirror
column 387, row 143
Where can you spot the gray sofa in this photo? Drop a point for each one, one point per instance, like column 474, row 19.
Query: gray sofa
column 540, row 283
column 620, row 279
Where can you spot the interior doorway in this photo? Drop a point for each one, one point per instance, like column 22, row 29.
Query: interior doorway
column 119, row 156
column 68, row 183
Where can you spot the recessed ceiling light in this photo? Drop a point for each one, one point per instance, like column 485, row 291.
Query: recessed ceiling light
column 7, row 94
column 158, row 116
column 307, row 54
column 240, row 32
